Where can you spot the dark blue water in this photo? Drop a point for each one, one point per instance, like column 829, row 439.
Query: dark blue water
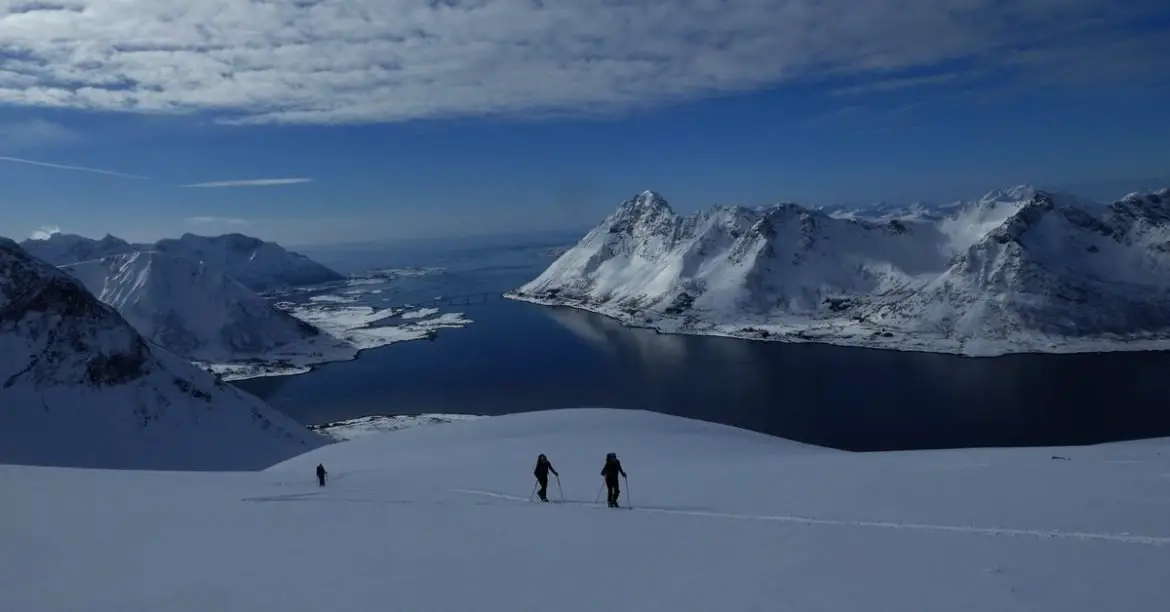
column 519, row 357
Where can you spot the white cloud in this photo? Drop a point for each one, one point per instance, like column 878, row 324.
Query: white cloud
column 269, row 182
column 21, row 160
column 217, row 221
column 45, row 232
column 330, row 61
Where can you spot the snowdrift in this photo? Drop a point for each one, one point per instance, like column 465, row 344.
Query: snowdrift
column 1020, row 270
column 80, row 387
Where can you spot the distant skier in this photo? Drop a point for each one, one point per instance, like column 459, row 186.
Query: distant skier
column 321, row 474
column 613, row 468
column 543, row 467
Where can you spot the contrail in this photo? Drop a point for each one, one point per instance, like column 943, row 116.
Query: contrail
column 77, row 168
column 266, row 182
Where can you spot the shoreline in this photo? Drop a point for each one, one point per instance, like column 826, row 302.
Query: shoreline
column 865, row 337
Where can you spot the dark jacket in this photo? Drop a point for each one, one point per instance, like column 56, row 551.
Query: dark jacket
column 320, row 470
column 543, row 467
column 612, row 469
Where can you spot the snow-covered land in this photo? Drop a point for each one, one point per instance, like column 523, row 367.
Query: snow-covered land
column 346, row 331
column 196, row 297
column 80, row 387
column 364, row 426
column 259, row 265
column 438, row 519
column 1019, row 270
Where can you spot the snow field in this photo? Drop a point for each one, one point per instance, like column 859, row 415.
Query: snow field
column 433, row 518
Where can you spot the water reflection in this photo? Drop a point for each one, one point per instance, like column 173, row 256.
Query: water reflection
column 877, row 399
column 521, row 357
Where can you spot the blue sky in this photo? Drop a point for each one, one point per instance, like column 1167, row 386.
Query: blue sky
column 391, row 119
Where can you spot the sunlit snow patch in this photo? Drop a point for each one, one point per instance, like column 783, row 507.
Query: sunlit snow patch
column 346, row 331
column 332, row 299
column 422, row 313
column 364, row 426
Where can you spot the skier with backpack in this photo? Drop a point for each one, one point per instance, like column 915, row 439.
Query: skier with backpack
column 543, row 467
column 613, row 468
column 321, row 473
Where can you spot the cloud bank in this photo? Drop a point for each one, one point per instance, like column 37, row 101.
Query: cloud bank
column 351, row 61
column 268, row 182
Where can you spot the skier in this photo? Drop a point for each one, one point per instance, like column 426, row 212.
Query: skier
column 321, row 473
column 543, row 467
column 612, row 469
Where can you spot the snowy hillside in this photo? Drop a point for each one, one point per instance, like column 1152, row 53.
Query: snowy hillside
column 1019, row 270
column 437, row 519
column 191, row 309
column 259, row 265
column 80, row 387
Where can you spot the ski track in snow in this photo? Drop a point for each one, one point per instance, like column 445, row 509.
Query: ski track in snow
column 1046, row 534
column 1125, row 538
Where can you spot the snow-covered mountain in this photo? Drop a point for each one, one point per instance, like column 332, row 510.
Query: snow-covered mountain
column 259, row 265
column 1017, row 270
column 60, row 249
column 80, row 387
column 192, row 309
column 889, row 211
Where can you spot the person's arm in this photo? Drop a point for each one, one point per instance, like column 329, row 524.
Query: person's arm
column 553, row 470
column 623, row 472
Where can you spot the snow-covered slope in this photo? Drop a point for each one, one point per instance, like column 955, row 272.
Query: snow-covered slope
column 1017, row 270
column 189, row 308
column 259, row 265
column 437, row 519
column 80, row 387
column 1051, row 272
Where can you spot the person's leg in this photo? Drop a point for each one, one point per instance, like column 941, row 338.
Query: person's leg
column 617, row 492
column 543, row 492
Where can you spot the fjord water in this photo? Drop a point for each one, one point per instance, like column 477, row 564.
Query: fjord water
column 519, row 357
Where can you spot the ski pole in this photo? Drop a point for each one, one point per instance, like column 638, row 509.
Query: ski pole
column 629, row 498
column 562, row 491
column 533, row 492
column 597, row 500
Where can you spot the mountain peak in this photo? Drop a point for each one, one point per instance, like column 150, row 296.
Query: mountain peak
column 1019, row 192
column 648, row 200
